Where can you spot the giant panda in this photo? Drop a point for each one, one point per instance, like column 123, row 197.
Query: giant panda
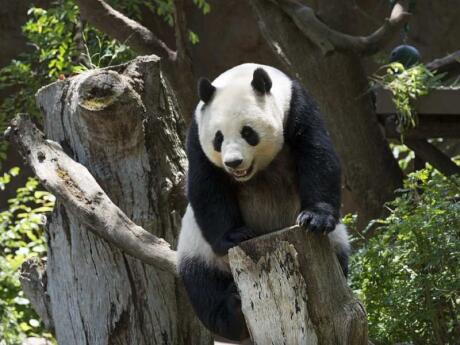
column 260, row 159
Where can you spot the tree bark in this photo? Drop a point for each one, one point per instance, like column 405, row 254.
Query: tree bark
column 122, row 124
column 340, row 86
column 293, row 291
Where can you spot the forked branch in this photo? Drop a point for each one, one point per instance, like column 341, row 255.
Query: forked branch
column 72, row 184
column 330, row 40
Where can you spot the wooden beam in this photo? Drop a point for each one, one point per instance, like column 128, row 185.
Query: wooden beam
column 439, row 101
column 429, row 126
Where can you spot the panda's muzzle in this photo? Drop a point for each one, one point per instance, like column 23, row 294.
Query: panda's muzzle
column 242, row 173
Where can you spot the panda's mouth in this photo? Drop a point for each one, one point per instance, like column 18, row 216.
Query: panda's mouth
column 242, row 174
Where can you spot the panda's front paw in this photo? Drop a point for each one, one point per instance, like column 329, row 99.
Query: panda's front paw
column 233, row 238
column 317, row 221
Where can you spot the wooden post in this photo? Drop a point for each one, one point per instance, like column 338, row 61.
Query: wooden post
column 293, row 291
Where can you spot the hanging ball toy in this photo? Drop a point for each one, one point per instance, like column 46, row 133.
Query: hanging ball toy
column 406, row 54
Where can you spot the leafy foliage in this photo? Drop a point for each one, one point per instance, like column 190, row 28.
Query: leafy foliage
column 21, row 237
column 408, row 274
column 403, row 155
column 406, row 85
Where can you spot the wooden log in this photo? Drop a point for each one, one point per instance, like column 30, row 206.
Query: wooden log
column 293, row 291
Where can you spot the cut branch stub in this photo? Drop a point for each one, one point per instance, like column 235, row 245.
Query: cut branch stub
column 293, row 291
column 110, row 110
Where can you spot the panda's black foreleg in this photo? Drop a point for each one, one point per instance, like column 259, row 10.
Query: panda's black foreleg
column 214, row 298
column 232, row 238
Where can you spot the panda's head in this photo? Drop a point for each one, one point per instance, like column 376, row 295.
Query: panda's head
column 240, row 122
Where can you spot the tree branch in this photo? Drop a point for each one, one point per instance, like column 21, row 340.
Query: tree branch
column 124, row 29
column 180, row 29
column 329, row 40
column 431, row 154
column 449, row 64
column 72, row 183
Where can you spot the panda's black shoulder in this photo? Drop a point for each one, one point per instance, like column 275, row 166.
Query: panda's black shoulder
column 303, row 115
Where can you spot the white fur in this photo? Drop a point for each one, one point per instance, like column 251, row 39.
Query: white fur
column 234, row 105
column 339, row 239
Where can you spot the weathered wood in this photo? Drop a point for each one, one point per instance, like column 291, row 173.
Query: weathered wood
column 293, row 291
column 122, row 124
column 76, row 188
column 33, row 282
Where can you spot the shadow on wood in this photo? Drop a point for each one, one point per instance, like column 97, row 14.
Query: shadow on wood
column 293, row 291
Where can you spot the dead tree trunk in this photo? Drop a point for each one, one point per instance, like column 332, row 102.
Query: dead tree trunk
column 293, row 291
column 122, row 124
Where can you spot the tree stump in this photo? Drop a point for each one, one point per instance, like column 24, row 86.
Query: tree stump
column 122, row 124
column 293, row 291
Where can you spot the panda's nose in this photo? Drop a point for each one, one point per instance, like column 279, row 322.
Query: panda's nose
column 234, row 163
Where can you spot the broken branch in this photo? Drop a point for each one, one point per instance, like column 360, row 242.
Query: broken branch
column 72, row 184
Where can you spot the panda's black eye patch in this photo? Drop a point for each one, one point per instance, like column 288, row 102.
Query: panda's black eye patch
column 217, row 142
column 250, row 135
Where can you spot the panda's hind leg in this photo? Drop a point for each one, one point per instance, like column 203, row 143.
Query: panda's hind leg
column 214, row 298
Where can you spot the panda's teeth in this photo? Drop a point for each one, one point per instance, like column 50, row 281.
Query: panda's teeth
column 240, row 173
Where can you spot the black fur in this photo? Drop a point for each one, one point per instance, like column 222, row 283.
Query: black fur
column 205, row 90
column 215, row 299
column 217, row 142
column 261, row 81
column 343, row 261
column 318, row 167
column 250, row 135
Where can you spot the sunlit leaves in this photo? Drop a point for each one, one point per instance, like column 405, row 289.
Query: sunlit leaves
column 21, row 237
column 408, row 274
column 407, row 85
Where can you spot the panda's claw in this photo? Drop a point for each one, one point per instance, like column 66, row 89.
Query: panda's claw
column 304, row 218
column 316, row 221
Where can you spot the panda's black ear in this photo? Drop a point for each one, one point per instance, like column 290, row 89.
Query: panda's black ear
column 205, row 90
column 261, row 81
